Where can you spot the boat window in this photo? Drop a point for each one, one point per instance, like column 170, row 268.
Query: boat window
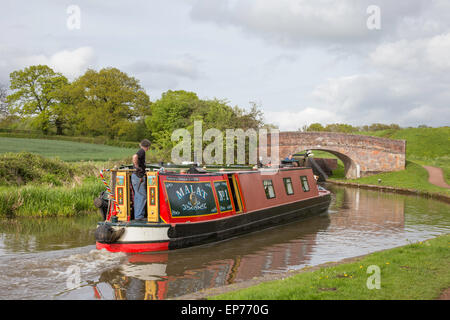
column 222, row 196
column 288, row 186
column 304, row 181
column 268, row 188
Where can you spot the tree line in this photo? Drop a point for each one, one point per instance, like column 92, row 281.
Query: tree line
column 111, row 103
column 347, row 128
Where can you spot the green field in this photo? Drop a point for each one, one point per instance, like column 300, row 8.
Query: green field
column 65, row 150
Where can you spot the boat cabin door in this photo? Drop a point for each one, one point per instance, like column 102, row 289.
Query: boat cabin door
column 122, row 192
column 152, row 197
column 235, row 192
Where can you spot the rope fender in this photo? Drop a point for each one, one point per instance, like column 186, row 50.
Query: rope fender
column 116, row 209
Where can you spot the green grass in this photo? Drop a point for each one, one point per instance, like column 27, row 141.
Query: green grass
column 25, row 167
column 424, row 143
column 413, row 177
column 50, row 201
column 440, row 162
column 425, row 146
column 34, row 186
column 36, row 134
column 416, row 271
column 338, row 173
column 65, row 150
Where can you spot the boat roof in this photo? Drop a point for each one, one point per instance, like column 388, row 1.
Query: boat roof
column 210, row 170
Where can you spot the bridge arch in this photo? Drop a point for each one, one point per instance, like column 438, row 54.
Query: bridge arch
column 361, row 155
column 351, row 168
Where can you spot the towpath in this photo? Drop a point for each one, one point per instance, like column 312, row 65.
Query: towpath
column 436, row 177
column 445, row 295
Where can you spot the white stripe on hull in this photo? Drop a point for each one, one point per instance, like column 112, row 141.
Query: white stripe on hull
column 141, row 234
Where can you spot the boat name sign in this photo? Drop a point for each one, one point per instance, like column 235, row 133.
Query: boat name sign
column 187, row 199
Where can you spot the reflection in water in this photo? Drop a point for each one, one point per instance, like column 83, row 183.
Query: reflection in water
column 358, row 222
column 363, row 210
column 32, row 235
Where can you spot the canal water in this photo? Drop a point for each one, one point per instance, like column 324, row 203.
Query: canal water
column 57, row 258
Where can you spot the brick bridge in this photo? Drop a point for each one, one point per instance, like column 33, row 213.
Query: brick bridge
column 361, row 155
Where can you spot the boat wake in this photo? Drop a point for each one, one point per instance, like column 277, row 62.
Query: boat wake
column 47, row 275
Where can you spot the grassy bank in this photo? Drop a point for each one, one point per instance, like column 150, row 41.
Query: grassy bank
column 414, row 177
column 416, row 271
column 35, row 186
column 425, row 143
column 424, row 146
column 50, row 201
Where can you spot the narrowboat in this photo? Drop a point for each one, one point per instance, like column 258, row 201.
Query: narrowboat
column 195, row 206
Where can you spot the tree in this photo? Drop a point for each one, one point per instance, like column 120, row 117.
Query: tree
column 107, row 102
column 381, row 126
column 180, row 109
column 64, row 113
column 4, row 111
column 33, row 95
column 172, row 111
column 252, row 119
column 340, row 127
column 315, row 127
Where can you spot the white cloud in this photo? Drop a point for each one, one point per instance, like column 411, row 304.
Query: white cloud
column 402, row 90
column 70, row 63
column 284, row 21
column 294, row 120
column 438, row 50
column 300, row 22
column 421, row 55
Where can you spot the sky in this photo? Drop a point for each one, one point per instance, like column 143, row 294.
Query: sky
column 302, row 61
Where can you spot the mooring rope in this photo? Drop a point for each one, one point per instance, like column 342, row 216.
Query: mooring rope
column 108, row 189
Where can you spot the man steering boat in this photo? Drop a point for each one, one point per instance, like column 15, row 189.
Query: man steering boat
column 138, row 181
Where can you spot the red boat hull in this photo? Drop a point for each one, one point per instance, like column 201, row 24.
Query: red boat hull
column 134, row 247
